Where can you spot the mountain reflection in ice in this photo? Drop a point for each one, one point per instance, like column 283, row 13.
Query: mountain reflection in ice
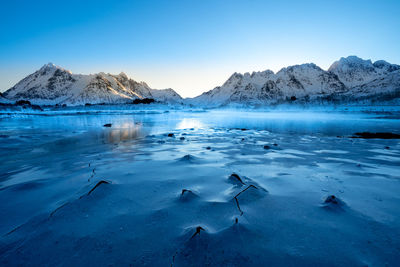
column 123, row 132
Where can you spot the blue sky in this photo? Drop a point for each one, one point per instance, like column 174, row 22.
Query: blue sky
column 191, row 46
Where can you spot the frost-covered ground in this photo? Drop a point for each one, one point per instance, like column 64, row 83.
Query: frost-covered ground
column 52, row 213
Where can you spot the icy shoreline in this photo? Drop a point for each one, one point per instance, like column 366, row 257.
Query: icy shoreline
column 169, row 197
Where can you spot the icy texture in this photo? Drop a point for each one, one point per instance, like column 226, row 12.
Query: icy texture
column 73, row 192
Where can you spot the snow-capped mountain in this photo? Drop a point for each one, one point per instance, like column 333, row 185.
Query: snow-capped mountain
column 54, row 85
column 354, row 71
column 350, row 79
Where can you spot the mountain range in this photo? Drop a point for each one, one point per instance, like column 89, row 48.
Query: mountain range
column 52, row 85
column 350, row 79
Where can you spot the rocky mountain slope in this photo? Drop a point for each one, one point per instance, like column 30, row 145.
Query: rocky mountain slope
column 55, row 85
column 348, row 79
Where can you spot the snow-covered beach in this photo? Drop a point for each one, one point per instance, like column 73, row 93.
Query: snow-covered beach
column 196, row 188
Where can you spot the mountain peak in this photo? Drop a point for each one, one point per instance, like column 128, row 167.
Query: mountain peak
column 123, row 75
column 351, row 62
column 50, row 67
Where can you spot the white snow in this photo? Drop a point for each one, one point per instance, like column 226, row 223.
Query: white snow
column 54, row 85
column 308, row 83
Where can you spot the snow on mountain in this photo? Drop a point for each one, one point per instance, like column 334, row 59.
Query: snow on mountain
column 299, row 81
column 166, row 95
column 54, row 85
column 354, row 71
column 348, row 78
column 4, row 100
column 384, row 88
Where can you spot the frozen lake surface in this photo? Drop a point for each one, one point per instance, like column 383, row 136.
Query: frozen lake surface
column 273, row 212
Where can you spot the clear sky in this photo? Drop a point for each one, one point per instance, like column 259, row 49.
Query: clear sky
column 191, row 46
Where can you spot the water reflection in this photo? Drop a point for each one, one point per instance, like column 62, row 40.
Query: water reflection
column 187, row 123
column 125, row 132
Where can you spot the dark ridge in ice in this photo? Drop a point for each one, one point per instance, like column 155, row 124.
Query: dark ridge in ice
column 369, row 135
column 267, row 147
column 171, row 135
column 188, row 158
column 182, row 138
column 333, row 202
column 187, row 195
column 13, row 230
column 198, row 229
column 236, row 198
column 54, row 211
column 97, row 185
column 184, row 191
column 93, row 173
column 107, row 125
column 208, row 148
column 235, row 179
column 331, row 199
column 387, row 147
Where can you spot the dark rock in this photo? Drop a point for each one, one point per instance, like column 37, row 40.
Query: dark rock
column 386, row 147
column 182, row 138
column 293, row 98
column 107, row 125
column 267, row 147
column 22, row 102
column 36, row 107
column 88, row 104
column 208, row 148
column 368, row 135
column 143, row 101
column 171, row 135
